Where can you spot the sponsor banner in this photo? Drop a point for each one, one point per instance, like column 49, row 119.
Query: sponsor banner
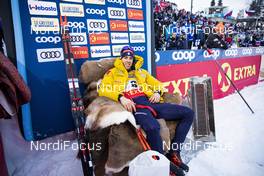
column 73, row 10
column 50, row 55
column 118, row 25
column 44, row 24
column 97, row 25
column 116, row 13
column 137, row 38
column 99, row 38
column 80, row 52
column 136, row 26
column 119, row 37
column 116, row 49
column 79, row 1
column 134, row 4
column 50, row 39
column 100, row 51
column 120, row 2
column 93, row 11
column 243, row 72
column 184, row 56
column 98, row 2
column 78, row 38
column 42, row 8
column 139, row 48
column 135, row 14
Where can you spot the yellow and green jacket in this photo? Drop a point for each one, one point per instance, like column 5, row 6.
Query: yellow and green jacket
column 115, row 80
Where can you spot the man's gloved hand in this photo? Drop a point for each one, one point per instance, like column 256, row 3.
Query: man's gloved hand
column 128, row 104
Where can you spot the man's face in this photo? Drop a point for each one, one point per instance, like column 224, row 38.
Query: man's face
column 127, row 61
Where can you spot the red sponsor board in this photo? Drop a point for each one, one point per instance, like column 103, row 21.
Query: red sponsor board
column 243, row 72
column 80, row 52
column 135, row 14
column 100, row 38
column 118, row 25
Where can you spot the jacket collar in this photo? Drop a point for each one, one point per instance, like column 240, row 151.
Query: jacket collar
column 119, row 64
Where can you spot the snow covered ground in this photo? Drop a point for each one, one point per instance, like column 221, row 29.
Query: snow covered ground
column 238, row 150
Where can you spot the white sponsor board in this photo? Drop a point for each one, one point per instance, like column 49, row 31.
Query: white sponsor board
column 73, row 10
column 45, row 24
column 97, row 25
column 136, row 26
column 116, row 13
column 137, row 38
column 117, row 37
column 100, row 51
column 79, row 1
column 116, row 49
column 98, row 2
column 50, row 55
column 134, row 4
column 78, row 38
column 42, row 8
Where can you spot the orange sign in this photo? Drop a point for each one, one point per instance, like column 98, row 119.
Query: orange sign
column 118, row 25
column 80, row 52
column 99, row 38
column 135, row 14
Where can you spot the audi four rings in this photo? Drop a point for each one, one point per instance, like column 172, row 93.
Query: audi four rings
column 134, row 2
column 94, row 24
column 119, row 13
column 77, row 38
column 50, row 54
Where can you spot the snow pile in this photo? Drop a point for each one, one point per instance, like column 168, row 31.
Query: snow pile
column 238, row 150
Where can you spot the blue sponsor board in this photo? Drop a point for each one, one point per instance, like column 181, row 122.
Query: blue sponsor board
column 40, row 54
column 189, row 56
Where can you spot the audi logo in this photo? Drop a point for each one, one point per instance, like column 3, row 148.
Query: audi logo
column 76, row 24
column 97, row 25
column 231, row 53
column 77, row 38
column 139, row 48
column 44, row 39
column 186, row 55
column 50, row 54
column 117, row 1
column 134, row 2
column 157, row 57
column 118, row 13
column 95, row 11
column 247, row 51
column 216, row 54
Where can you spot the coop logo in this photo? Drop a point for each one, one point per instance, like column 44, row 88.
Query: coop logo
column 78, row 1
column 117, row 1
column 216, row 54
column 139, row 48
column 44, row 39
column 260, row 50
column 100, row 38
column 72, row 10
column 97, row 25
column 45, row 24
column 134, row 3
column 116, row 13
column 223, row 82
column 231, row 52
column 134, row 14
column 42, row 8
column 76, row 24
column 119, row 37
column 116, row 49
column 247, row 51
column 80, row 52
column 100, row 51
column 91, row 11
column 50, row 55
column 157, row 57
column 78, row 38
column 183, row 55
column 135, row 26
column 137, row 38
column 98, row 2
column 118, row 25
